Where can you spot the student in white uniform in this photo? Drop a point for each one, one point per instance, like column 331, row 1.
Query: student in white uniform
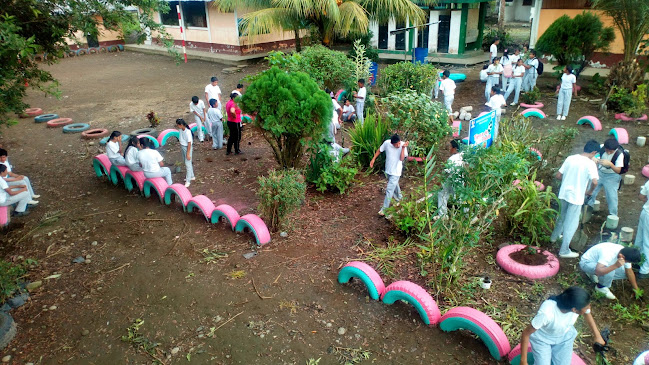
column 568, row 80
column 215, row 124
column 642, row 237
column 349, row 113
column 360, row 100
column 448, row 88
column 552, row 332
column 609, row 165
column 493, row 50
column 213, row 91
column 516, row 81
column 151, row 162
column 197, row 108
column 531, row 73
column 609, row 261
column 395, row 152
column 577, row 173
column 642, row 359
column 508, row 67
column 16, row 194
column 483, row 73
column 130, row 154
column 185, row 139
column 337, row 116
column 238, row 90
column 14, row 179
column 494, row 71
column 496, row 102
column 453, row 164
column 114, row 149
column 515, row 57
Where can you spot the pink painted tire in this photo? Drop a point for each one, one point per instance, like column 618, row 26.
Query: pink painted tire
column 203, row 203
column 539, row 185
column 33, row 112
column 645, row 171
column 550, row 268
column 623, row 117
column 482, row 113
column 536, row 152
column 226, row 213
column 181, row 192
column 457, row 128
column 254, row 224
column 413, row 158
column 620, row 134
column 4, row 216
column 592, row 121
column 95, row 133
column 480, row 324
column 58, row 122
column 417, row 297
column 366, row 274
column 535, row 105
column 533, row 112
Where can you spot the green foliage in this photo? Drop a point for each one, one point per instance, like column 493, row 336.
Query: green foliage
column 573, row 41
column 284, row 61
column 328, row 173
column 420, row 120
column 620, row 100
column 10, row 275
column 639, row 97
column 598, row 85
column 370, row 52
column 409, row 216
column 408, row 76
column 362, row 63
column 631, row 314
column 291, row 109
column 631, row 17
column 556, row 143
column 532, row 96
column 506, row 40
column 529, row 214
column 141, row 342
column 367, row 138
column 280, row 193
column 386, row 257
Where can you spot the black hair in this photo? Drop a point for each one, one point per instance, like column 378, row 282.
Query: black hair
column 496, row 39
column 132, row 142
column 485, row 67
column 3, row 152
column 327, row 90
column 346, row 100
column 181, row 121
column 569, row 68
column 505, row 54
column 495, row 59
column 455, row 144
column 361, row 81
column 631, row 254
column 609, row 144
column 144, row 142
column 239, row 86
column 446, row 73
column 114, row 134
column 591, row 146
column 573, row 297
column 3, row 168
column 533, row 52
column 213, row 102
column 233, row 96
column 496, row 89
column 395, row 139
column 195, row 99
column 214, row 78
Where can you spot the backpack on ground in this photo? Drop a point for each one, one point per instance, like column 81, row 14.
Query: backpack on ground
column 539, row 69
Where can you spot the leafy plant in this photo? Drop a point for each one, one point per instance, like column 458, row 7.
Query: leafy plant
column 285, row 61
column 370, row 52
column 327, row 173
column 631, row 314
column 385, row 257
column 631, row 17
column 620, row 100
column 639, row 97
column 598, row 85
column 531, row 96
column 506, row 40
column 361, row 61
column 626, row 75
column 153, row 119
column 330, row 69
column 367, row 138
column 556, row 144
column 280, row 193
column 140, row 342
column 529, row 214
column 409, row 215
column 408, row 76
column 10, row 276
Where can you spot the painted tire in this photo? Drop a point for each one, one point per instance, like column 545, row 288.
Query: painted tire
column 457, row 128
column 120, row 47
column 535, row 105
column 533, row 112
column 536, row 153
column 514, row 355
column 417, row 297
column 254, row 224
column 72, row 53
column 547, row 270
column 102, row 165
column 93, row 50
column 194, row 127
column 7, row 329
column 45, row 118
column 149, row 131
column 111, row 48
column 33, row 112
column 76, row 128
column 59, row 122
column 95, row 133
column 457, row 77
column 104, row 140
column 117, row 171
column 480, row 324
column 338, row 93
column 482, row 113
column 153, row 140
column 224, row 212
column 620, row 134
column 82, row 51
column 645, row 171
column 166, row 134
column 180, row 191
column 342, row 96
column 102, row 49
column 623, row 117
column 366, row 274
column 592, row 121
column 539, row 185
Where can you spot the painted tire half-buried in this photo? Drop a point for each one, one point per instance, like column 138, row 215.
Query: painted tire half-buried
column 533, row 112
column 535, row 105
column 623, row 117
column 514, row 356
column 251, row 222
column 181, row 192
column 33, row 112
column 104, row 140
column 536, row 153
column 166, row 134
column 226, row 213
column 539, row 185
column 82, row 51
column 120, row 47
column 59, row 122
column 156, row 183
column 592, row 121
column 116, row 171
column 546, row 270
column 480, row 324
column 76, row 128
column 149, row 131
column 364, row 273
column 194, row 128
column 620, row 135
column 95, row 133
column 45, row 118
column 153, row 140
column 457, row 77
column 645, row 171
column 101, row 164
column 416, row 296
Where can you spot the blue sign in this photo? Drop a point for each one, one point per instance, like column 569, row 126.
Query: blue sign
column 481, row 129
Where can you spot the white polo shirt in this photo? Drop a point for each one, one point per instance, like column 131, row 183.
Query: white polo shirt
column 112, row 150
column 149, row 159
column 577, row 171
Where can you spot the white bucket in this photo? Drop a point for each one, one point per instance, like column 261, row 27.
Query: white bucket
column 596, row 206
column 612, row 221
column 626, row 234
column 485, row 285
column 641, row 141
column 629, row 179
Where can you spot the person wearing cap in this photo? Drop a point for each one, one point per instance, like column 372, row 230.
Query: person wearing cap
column 395, row 152
column 609, row 261
column 213, row 91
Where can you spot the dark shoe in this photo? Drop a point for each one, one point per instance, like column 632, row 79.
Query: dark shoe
column 228, row 153
column 21, row 214
column 239, row 153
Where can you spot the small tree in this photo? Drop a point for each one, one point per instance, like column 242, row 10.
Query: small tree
column 291, row 109
column 631, row 17
column 280, row 193
column 408, row 76
column 329, row 68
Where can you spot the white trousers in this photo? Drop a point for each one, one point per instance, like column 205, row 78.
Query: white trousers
column 360, row 108
column 567, row 224
column 529, row 80
column 491, row 82
column 555, row 350
column 515, row 87
column 611, row 183
column 21, row 199
column 448, row 102
column 199, row 122
column 589, row 267
column 25, row 181
column 163, row 172
column 642, row 240
column 188, row 163
column 563, row 104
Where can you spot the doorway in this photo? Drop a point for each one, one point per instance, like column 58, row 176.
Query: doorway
column 443, row 33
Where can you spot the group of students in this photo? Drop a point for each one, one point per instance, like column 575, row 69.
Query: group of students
column 14, row 188
column 515, row 72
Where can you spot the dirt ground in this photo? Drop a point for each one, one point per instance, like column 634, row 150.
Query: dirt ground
column 199, row 298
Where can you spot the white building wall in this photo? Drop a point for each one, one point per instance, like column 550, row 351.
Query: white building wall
column 454, row 38
column 374, row 27
column 515, row 11
column 432, row 31
column 392, row 25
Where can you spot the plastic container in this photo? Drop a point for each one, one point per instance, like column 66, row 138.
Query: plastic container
column 641, row 141
column 626, row 234
column 374, row 72
column 629, row 179
column 420, row 55
column 485, row 283
column 612, row 221
column 597, row 206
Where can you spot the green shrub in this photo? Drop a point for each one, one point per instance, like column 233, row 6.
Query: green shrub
column 620, row 100
column 408, row 76
column 367, row 138
column 506, row 40
column 10, row 276
column 409, row 216
column 639, row 97
column 328, row 174
column 598, row 85
column 366, row 40
column 532, row 96
column 418, row 119
column 280, row 193
column 529, row 214
column 330, row 69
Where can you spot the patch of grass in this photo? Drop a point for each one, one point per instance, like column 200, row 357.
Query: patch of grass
column 237, row 274
column 630, row 314
column 213, row 255
column 290, row 305
column 140, row 342
column 385, row 258
column 313, row 361
column 538, row 289
column 350, row 356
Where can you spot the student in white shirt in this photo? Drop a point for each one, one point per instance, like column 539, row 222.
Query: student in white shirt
column 151, row 161
column 14, row 179
column 568, row 80
column 215, row 124
column 496, row 102
column 448, row 88
column 576, row 174
column 531, row 73
column 552, row 332
column 16, row 194
column 493, row 50
column 642, row 237
column 395, row 152
column 515, row 57
column 494, row 71
column 483, row 73
column 508, row 66
column 114, row 149
column 213, row 91
column 516, row 81
column 197, row 108
column 642, row 359
column 238, row 90
column 130, row 154
column 360, row 100
column 609, row 168
column 454, row 162
column 349, row 114
column 337, row 116
column 609, row 261
column 185, row 139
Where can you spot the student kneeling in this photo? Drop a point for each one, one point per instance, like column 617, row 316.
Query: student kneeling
column 609, row 261
column 14, row 194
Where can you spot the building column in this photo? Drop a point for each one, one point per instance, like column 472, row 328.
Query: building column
column 432, row 31
column 392, row 25
column 464, row 16
column 481, row 18
column 374, row 27
column 454, row 34
column 536, row 15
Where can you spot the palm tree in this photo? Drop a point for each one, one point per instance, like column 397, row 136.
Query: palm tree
column 331, row 17
column 631, row 17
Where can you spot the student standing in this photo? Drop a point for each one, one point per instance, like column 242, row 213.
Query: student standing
column 452, row 165
column 151, row 161
column 130, row 154
column 185, row 139
column 609, row 261
column 508, row 65
column 568, row 80
column 576, row 173
column 610, row 165
column 516, row 81
column 496, row 102
column 531, row 73
column 642, row 237
column 448, row 88
column 213, row 91
column 114, row 149
column 234, row 125
column 360, row 100
column 336, row 119
column 493, row 50
column 552, row 332
column 215, row 124
column 15, row 179
column 238, row 90
column 395, row 152
column 16, row 194
column 494, row 71
column 197, row 108
column 349, row 114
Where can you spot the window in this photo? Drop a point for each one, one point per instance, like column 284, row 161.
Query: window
column 193, row 14
column 171, row 16
column 400, row 38
column 383, row 36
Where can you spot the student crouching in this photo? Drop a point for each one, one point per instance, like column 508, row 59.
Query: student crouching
column 609, row 261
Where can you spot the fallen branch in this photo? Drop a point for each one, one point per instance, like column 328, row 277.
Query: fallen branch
column 117, row 268
column 229, row 320
column 91, row 214
column 257, row 291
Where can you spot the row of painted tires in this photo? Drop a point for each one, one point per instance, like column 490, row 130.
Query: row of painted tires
column 166, row 193
column 101, row 49
column 54, row 121
column 458, row 318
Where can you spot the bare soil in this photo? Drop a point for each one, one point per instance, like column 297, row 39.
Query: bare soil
column 526, row 258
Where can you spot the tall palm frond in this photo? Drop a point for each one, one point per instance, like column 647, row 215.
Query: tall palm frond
column 400, row 10
column 353, row 17
column 228, row 6
column 268, row 20
column 631, row 17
